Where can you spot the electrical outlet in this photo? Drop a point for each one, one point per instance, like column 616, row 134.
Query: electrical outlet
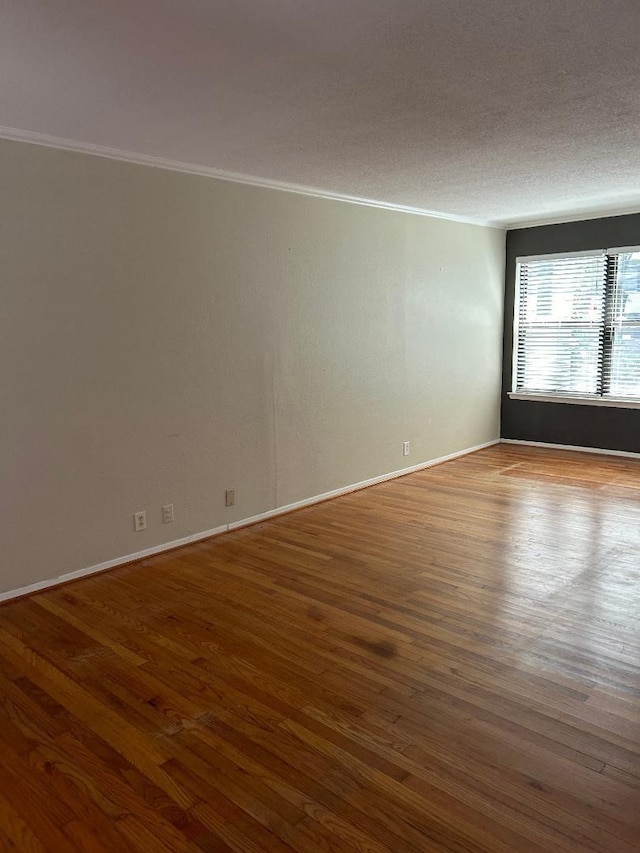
column 406, row 448
column 230, row 497
column 139, row 521
column 167, row 514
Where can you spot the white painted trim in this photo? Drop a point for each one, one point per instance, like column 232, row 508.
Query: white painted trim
column 562, row 256
column 611, row 402
column 562, row 218
column 623, row 250
column 110, row 564
column 546, row 444
column 33, row 138
column 234, row 525
column 357, row 486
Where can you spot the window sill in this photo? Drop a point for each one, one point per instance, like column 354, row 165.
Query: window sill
column 611, row 402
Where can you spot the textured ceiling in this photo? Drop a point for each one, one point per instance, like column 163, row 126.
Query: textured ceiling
column 505, row 111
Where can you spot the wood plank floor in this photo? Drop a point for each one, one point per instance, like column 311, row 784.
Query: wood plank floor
column 447, row 661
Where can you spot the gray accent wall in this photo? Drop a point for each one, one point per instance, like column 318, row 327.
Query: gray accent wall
column 562, row 423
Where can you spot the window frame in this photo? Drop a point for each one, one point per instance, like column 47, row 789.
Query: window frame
column 601, row 399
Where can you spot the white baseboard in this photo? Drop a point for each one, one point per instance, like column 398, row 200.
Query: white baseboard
column 109, row 564
column 344, row 490
column 629, row 454
column 234, row 525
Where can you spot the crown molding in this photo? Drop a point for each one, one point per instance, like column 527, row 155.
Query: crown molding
column 578, row 216
column 33, row 138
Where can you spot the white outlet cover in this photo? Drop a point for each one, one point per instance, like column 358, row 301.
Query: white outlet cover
column 167, row 514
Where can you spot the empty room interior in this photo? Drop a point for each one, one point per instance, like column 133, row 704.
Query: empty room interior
column 320, row 426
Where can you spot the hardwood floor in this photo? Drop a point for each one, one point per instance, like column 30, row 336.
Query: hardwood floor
column 447, row 661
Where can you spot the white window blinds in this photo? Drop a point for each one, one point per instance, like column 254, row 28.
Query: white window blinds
column 622, row 363
column 577, row 324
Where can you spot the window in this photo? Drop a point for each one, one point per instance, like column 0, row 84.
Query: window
column 577, row 326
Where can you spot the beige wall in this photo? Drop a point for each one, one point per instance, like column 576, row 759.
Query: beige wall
column 164, row 337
